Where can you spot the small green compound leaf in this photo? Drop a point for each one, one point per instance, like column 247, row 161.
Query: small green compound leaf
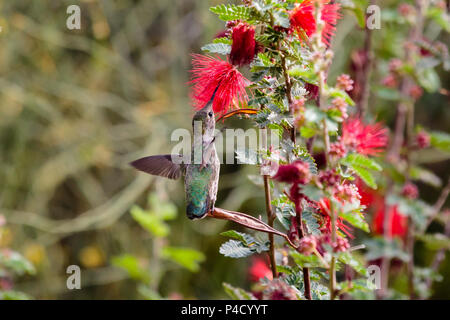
column 356, row 219
column 185, row 257
column 132, row 266
column 150, row 222
column 366, row 176
column 231, row 12
column 219, row 48
column 361, row 161
column 441, row 140
column 235, row 249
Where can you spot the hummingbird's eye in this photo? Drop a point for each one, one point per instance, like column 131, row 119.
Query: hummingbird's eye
column 210, row 114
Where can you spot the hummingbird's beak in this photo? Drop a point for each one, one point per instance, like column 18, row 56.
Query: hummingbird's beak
column 236, row 112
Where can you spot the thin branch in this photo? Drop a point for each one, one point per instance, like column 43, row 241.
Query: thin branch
column 270, row 220
column 363, row 104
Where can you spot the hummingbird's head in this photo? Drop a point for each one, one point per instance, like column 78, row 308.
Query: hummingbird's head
column 206, row 117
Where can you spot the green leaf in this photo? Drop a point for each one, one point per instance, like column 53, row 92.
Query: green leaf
column 311, row 261
column 219, row 48
column 366, row 176
column 247, row 239
column 356, row 219
column 426, row 176
column 361, row 161
column 311, row 221
column 231, row 12
column 235, row 249
column 379, row 247
column 307, row 132
column 185, row 257
column 244, row 246
column 336, row 93
column 14, row 295
column 223, row 40
column 439, row 16
column 132, row 265
column 264, row 60
column 284, row 210
column 435, row 241
column 237, row 293
column 350, row 260
column 305, row 74
column 303, row 154
column 440, row 140
column 312, row 192
column 429, row 79
column 164, row 210
column 150, row 222
column 148, row 293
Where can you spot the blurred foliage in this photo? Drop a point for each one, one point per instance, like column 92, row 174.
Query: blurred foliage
column 76, row 106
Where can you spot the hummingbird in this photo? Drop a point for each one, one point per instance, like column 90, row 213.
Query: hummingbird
column 200, row 179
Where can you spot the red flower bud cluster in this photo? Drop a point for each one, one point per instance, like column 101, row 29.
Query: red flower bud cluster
column 410, row 191
column 423, row 140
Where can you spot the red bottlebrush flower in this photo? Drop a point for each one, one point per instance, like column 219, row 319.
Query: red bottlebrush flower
column 398, row 223
column 244, row 47
column 209, row 74
column 365, row 139
column 410, row 190
column 259, row 270
column 324, row 206
column 296, row 172
column 302, row 18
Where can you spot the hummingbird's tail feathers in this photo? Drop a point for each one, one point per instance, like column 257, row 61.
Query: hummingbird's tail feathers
column 161, row 165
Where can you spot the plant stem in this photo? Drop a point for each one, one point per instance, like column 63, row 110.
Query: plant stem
column 367, row 71
column 270, row 220
column 293, row 134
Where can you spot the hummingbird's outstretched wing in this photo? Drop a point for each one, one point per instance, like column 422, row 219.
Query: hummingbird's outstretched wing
column 161, row 165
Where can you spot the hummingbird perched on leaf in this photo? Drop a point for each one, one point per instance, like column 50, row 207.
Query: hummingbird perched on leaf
column 201, row 178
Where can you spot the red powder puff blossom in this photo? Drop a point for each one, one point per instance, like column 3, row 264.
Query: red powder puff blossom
column 303, row 20
column 259, row 270
column 209, row 74
column 324, row 206
column 365, row 139
column 296, row 172
column 244, row 47
column 398, row 223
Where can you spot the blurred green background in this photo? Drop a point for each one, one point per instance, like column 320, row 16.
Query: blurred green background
column 77, row 105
